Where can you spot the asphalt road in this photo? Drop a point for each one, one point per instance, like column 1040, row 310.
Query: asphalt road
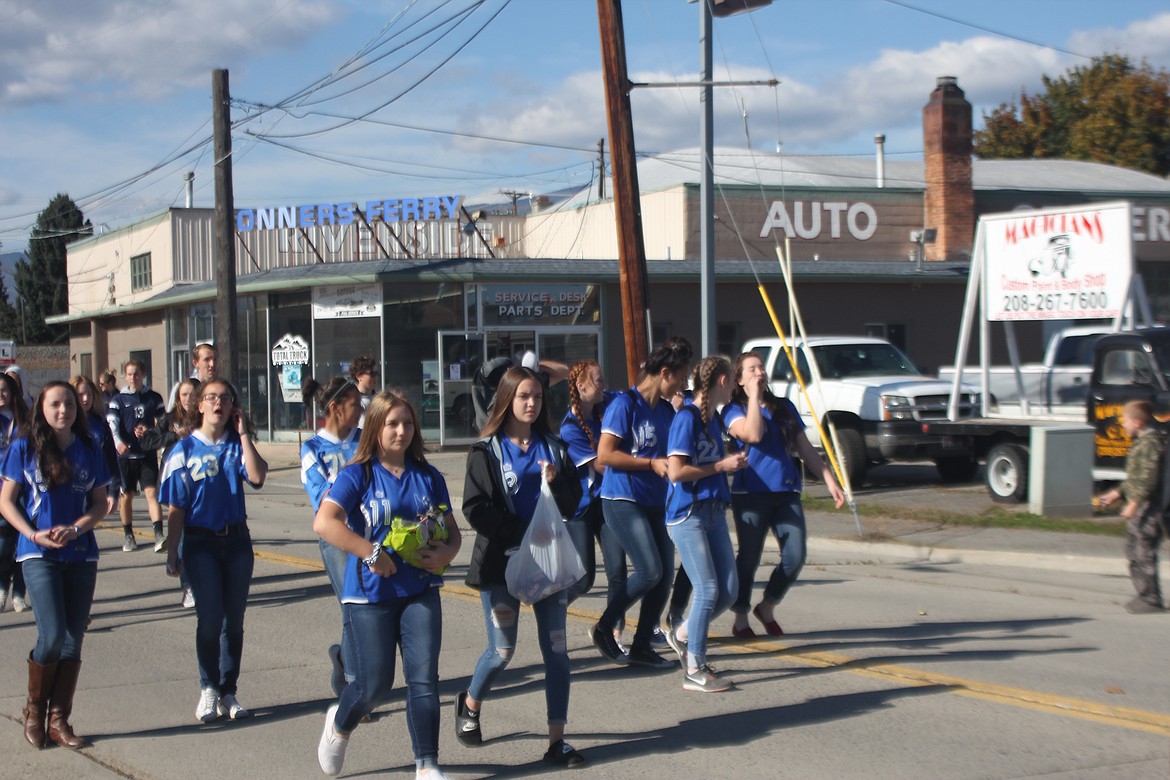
column 895, row 666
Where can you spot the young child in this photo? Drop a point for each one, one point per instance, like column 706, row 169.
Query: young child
column 1143, row 528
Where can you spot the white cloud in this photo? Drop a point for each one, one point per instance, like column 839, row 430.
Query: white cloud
column 1149, row 38
column 62, row 49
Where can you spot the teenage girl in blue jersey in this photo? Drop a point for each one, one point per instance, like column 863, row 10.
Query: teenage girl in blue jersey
column 696, row 515
column 322, row 457
column 89, row 401
column 13, row 416
column 390, row 600
column 580, row 431
column 54, row 493
column 633, row 499
column 203, row 486
column 504, row 472
column 766, row 495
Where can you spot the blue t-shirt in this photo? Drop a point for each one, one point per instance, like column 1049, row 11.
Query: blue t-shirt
column 206, row 480
column 7, row 431
column 522, row 473
column 582, row 452
column 370, row 506
column 45, row 507
column 702, row 446
column 642, row 432
column 770, row 469
column 322, row 457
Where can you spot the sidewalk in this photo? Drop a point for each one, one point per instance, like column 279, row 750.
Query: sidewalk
column 833, row 536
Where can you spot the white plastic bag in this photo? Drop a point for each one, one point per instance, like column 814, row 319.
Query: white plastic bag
column 546, row 561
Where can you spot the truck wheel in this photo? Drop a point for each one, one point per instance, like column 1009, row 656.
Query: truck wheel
column 1007, row 473
column 958, row 469
column 852, row 455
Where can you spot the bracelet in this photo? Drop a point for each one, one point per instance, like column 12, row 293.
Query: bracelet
column 372, row 559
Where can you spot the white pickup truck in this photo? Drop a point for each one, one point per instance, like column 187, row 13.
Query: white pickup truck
column 876, row 398
column 1060, row 383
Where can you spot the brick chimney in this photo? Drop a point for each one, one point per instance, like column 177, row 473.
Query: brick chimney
column 949, row 203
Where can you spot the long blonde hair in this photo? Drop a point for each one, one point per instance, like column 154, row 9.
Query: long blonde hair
column 380, row 407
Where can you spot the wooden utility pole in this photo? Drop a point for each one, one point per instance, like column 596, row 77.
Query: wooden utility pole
column 224, row 230
column 626, row 197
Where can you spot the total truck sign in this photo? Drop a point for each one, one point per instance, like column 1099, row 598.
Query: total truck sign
column 1058, row 264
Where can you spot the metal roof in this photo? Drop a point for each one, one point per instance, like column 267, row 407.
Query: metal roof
column 740, row 168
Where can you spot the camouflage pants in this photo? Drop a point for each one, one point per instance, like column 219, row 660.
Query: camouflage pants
column 1143, row 534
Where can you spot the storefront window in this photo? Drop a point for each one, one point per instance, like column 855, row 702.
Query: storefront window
column 252, row 355
column 289, row 315
column 413, row 314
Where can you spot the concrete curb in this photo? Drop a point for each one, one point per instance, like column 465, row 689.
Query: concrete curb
column 826, row 551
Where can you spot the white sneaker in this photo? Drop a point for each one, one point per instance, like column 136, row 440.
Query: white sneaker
column 3, row 599
column 331, row 748
column 188, row 599
column 430, row 773
column 19, row 604
column 230, row 707
column 160, row 543
column 129, row 544
column 208, row 709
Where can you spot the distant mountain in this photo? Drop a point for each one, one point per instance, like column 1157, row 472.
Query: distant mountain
column 8, row 267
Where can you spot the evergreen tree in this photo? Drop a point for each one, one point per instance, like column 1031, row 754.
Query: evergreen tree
column 9, row 317
column 41, row 282
column 1110, row 111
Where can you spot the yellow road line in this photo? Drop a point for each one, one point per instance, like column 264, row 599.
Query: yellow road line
column 1082, row 709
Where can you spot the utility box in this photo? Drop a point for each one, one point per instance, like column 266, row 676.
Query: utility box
column 1060, row 471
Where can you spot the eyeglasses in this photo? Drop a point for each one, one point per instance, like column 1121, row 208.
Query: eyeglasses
column 217, row 397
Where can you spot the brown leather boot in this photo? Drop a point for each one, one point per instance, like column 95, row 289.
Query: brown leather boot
column 61, row 705
column 40, row 682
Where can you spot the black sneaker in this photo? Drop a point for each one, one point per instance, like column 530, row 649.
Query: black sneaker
column 466, row 723
column 561, row 753
column 644, row 656
column 1139, row 606
column 605, row 643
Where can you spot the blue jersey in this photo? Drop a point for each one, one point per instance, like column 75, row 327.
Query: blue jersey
column 371, row 498
column 642, row 432
column 206, row 479
column 582, row 452
column 7, row 431
column 522, row 473
column 702, row 446
column 322, row 457
column 45, row 507
column 771, row 467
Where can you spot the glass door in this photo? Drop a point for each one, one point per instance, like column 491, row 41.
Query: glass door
column 447, row 392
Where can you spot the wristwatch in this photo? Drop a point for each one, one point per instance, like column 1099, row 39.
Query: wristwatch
column 372, row 559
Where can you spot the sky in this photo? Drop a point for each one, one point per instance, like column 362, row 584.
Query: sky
column 336, row 101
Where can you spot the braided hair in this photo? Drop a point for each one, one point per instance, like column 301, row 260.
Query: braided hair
column 706, row 374
column 580, row 369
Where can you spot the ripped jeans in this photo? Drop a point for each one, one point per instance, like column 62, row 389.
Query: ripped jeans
column 501, row 612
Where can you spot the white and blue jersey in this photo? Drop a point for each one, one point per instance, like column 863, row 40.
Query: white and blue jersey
column 45, row 507
column 522, row 473
column 642, row 431
column 770, row 466
column 322, row 457
column 582, row 452
column 701, row 446
column 206, row 480
column 371, row 498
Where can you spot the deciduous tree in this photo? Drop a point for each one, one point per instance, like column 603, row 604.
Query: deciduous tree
column 1110, row 111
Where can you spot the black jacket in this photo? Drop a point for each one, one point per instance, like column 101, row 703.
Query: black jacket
column 487, row 508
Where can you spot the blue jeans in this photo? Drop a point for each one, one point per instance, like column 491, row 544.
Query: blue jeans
column 584, row 529
column 756, row 514
column 335, row 561
column 375, row 631
column 62, row 594
column 220, row 571
column 704, row 545
column 641, row 532
column 10, row 570
column 501, row 614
